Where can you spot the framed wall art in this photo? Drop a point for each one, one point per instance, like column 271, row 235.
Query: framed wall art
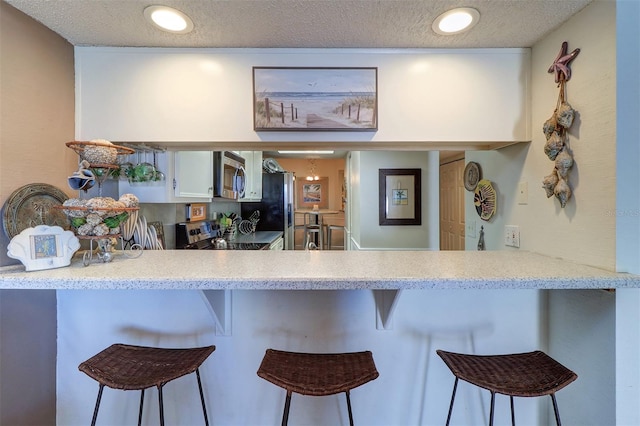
column 196, row 211
column 311, row 193
column 318, row 99
column 399, row 199
column 43, row 247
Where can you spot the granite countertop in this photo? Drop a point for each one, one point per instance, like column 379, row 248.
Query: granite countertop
column 276, row 269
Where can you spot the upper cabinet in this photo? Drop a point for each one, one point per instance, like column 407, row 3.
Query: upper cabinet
column 194, row 174
column 188, row 178
column 253, row 169
column 206, row 95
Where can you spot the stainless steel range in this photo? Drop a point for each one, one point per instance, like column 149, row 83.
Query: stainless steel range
column 200, row 235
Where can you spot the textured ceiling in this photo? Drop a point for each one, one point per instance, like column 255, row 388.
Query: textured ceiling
column 302, row 23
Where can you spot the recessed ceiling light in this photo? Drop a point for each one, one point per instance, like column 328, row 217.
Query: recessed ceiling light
column 305, row 152
column 168, row 19
column 456, row 21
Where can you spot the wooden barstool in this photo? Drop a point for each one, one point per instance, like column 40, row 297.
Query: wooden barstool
column 524, row 374
column 317, row 374
column 128, row 367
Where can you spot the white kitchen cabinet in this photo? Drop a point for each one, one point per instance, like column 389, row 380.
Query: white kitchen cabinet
column 189, row 178
column 194, row 174
column 253, row 166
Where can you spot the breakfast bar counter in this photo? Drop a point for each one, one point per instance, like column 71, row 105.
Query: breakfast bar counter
column 321, row 270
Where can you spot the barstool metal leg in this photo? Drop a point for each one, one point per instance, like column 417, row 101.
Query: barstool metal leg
column 349, row 408
column 204, row 407
column 287, row 404
column 453, row 397
column 493, row 403
column 95, row 410
column 161, row 405
column 513, row 415
column 141, row 405
column 555, row 409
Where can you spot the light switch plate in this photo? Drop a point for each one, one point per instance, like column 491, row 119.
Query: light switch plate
column 523, row 193
column 470, row 230
column 512, row 236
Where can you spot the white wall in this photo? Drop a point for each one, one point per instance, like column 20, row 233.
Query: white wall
column 368, row 234
column 134, row 94
column 413, row 388
column 505, row 169
column 589, row 219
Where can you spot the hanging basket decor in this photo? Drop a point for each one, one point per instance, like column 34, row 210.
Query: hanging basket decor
column 555, row 130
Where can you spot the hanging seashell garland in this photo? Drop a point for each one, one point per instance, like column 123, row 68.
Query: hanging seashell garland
column 555, row 130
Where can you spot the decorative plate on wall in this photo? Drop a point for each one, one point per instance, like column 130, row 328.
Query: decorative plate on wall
column 472, row 175
column 33, row 205
column 485, row 199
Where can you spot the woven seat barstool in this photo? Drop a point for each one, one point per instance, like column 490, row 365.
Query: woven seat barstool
column 317, row 374
column 525, row 375
column 129, row 367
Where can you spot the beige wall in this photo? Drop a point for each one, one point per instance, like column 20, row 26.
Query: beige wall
column 329, row 168
column 37, row 111
column 36, row 119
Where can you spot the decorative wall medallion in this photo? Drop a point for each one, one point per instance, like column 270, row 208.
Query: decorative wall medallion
column 472, row 175
column 485, row 199
column 33, row 205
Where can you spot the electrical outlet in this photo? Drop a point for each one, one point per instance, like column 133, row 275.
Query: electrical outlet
column 471, row 229
column 512, row 236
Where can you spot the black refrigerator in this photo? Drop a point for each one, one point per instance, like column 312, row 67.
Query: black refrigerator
column 276, row 207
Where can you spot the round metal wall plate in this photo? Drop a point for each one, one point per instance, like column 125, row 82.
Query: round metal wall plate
column 33, row 205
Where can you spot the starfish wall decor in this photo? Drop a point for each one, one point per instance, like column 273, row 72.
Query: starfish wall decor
column 555, row 130
column 561, row 64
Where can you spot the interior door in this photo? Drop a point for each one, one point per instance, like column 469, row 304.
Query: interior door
column 452, row 205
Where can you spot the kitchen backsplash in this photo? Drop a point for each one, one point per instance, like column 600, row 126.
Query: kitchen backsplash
column 170, row 214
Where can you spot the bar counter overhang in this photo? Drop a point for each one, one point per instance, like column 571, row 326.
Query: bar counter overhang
column 322, row 270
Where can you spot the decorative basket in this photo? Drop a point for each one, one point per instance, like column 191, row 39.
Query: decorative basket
column 99, row 152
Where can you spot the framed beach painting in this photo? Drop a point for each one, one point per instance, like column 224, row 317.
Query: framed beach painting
column 312, row 193
column 399, row 197
column 318, row 99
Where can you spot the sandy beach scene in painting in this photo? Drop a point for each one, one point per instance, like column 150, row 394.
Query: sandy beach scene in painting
column 315, row 99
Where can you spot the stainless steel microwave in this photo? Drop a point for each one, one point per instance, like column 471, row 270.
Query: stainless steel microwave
column 229, row 175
